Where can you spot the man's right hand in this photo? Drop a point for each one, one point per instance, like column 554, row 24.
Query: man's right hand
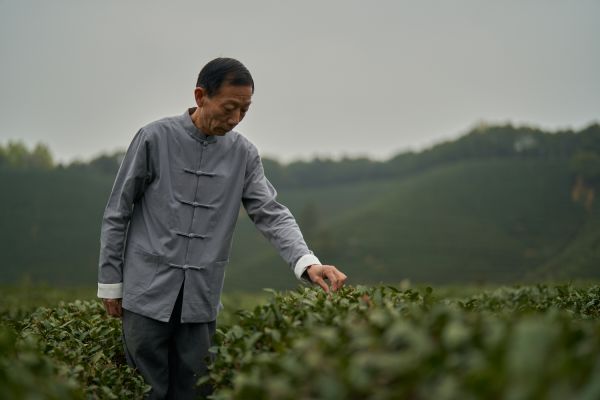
column 113, row 307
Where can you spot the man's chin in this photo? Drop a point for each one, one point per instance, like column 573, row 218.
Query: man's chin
column 221, row 132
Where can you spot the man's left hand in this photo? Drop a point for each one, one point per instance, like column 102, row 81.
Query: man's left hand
column 318, row 273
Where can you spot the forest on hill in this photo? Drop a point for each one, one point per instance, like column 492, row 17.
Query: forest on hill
column 499, row 204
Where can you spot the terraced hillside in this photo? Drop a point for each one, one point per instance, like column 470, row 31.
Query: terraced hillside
column 492, row 206
column 491, row 220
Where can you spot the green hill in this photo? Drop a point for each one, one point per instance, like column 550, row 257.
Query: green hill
column 492, row 206
column 579, row 258
column 487, row 221
column 50, row 224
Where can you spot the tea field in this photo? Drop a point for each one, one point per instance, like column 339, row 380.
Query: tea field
column 376, row 342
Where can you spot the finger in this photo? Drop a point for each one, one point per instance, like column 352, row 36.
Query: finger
column 112, row 307
column 341, row 278
column 319, row 281
column 119, row 309
column 112, row 311
column 333, row 279
column 107, row 305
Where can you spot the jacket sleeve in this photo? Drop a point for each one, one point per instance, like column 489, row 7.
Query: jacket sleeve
column 131, row 180
column 273, row 219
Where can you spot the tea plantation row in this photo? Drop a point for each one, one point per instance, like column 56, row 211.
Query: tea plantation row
column 533, row 342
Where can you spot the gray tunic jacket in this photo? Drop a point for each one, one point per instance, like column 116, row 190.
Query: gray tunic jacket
column 171, row 215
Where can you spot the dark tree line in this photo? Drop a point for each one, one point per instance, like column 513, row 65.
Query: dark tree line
column 17, row 155
column 581, row 148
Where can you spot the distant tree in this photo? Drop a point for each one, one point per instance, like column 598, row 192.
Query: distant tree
column 590, row 138
column 41, row 158
column 16, row 155
column 107, row 163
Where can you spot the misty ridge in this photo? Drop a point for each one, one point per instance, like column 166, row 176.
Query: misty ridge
column 484, row 141
column 499, row 204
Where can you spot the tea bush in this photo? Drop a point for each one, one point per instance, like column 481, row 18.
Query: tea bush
column 27, row 374
column 384, row 343
column 376, row 343
column 86, row 346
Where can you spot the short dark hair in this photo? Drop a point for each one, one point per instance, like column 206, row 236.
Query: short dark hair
column 223, row 70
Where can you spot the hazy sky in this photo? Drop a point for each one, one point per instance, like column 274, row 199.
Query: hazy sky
column 332, row 77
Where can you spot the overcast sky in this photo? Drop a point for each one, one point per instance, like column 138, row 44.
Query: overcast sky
column 332, row 78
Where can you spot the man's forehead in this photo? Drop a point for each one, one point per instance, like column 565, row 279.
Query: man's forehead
column 238, row 94
column 237, row 99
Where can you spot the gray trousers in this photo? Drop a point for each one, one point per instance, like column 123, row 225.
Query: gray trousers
column 170, row 356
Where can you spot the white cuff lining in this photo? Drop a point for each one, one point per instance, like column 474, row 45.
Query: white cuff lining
column 110, row 290
column 304, row 262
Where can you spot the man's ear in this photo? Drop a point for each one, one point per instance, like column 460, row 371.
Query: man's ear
column 200, row 96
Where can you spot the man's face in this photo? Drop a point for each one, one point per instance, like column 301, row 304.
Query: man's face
column 220, row 113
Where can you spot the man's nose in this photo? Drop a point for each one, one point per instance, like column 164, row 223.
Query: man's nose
column 235, row 118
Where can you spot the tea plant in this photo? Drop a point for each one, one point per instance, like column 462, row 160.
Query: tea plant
column 383, row 343
column 86, row 346
column 27, row 374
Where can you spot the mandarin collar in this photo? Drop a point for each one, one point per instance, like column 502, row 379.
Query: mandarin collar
column 193, row 131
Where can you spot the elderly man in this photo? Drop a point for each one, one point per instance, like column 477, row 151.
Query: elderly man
column 168, row 225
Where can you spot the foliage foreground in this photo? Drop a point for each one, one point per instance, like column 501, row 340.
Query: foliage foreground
column 534, row 342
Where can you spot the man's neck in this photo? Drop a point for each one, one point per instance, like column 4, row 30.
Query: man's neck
column 195, row 115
